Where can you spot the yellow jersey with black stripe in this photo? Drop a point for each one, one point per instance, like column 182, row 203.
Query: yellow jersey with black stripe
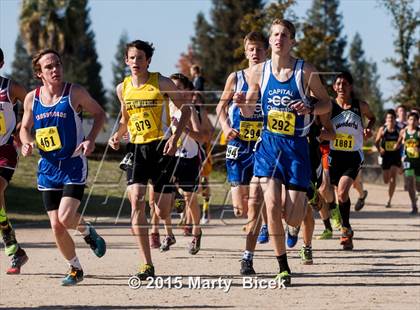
column 148, row 110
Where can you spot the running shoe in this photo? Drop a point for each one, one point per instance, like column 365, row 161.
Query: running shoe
column 73, row 277
column 388, row 205
column 205, row 219
column 285, row 277
column 336, row 217
column 154, row 241
column 292, row 235
column 263, row 237
column 247, row 267
column 167, row 242
column 194, row 246
column 18, row 260
column 10, row 244
column 96, row 242
column 346, row 239
column 361, row 201
column 415, row 211
column 306, row 255
column 326, row 234
column 146, row 271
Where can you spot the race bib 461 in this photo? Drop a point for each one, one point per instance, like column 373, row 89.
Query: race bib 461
column 48, row 139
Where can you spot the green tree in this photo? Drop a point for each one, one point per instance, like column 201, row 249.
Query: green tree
column 260, row 20
column 65, row 26
column 185, row 61
column 416, row 76
column 321, row 42
column 42, row 24
column 81, row 60
column 365, row 77
column 201, row 42
column 406, row 21
column 213, row 43
column 22, row 66
column 119, row 72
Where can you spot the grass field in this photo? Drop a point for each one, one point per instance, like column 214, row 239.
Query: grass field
column 24, row 201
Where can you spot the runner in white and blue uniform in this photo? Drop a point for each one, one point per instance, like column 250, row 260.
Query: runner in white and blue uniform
column 281, row 153
column 53, row 110
column 242, row 133
column 60, row 164
column 239, row 153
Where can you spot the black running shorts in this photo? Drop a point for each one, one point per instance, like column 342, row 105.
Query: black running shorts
column 344, row 164
column 187, row 173
column 52, row 198
column 149, row 163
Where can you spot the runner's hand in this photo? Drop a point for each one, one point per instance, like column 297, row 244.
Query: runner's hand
column 239, row 98
column 86, row 147
column 230, row 133
column 170, row 146
column 301, row 108
column 114, row 142
column 27, row 149
column 367, row 132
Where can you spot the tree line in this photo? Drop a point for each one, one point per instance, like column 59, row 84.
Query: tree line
column 217, row 45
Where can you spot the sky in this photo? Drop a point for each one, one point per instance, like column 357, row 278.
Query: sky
column 169, row 24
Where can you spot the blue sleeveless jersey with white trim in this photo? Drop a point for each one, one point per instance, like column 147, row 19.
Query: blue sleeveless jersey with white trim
column 240, row 151
column 279, row 119
column 234, row 113
column 64, row 127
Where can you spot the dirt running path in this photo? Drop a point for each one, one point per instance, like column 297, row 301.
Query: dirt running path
column 383, row 271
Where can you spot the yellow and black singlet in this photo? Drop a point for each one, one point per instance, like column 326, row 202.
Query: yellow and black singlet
column 148, row 110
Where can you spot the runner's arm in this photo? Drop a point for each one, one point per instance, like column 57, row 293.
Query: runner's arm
column 317, row 89
column 367, row 112
column 400, row 140
column 222, row 107
column 378, row 140
column 327, row 132
column 82, row 98
column 17, row 93
column 114, row 141
column 248, row 102
column 28, row 142
column 194, row 128
column 167, row 86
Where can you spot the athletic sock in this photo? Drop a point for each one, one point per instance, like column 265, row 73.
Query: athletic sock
column 345, row 213
column 74, row 262
column 283, row 265
column 206, row 204
column 327, row 224
column 248, row 255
